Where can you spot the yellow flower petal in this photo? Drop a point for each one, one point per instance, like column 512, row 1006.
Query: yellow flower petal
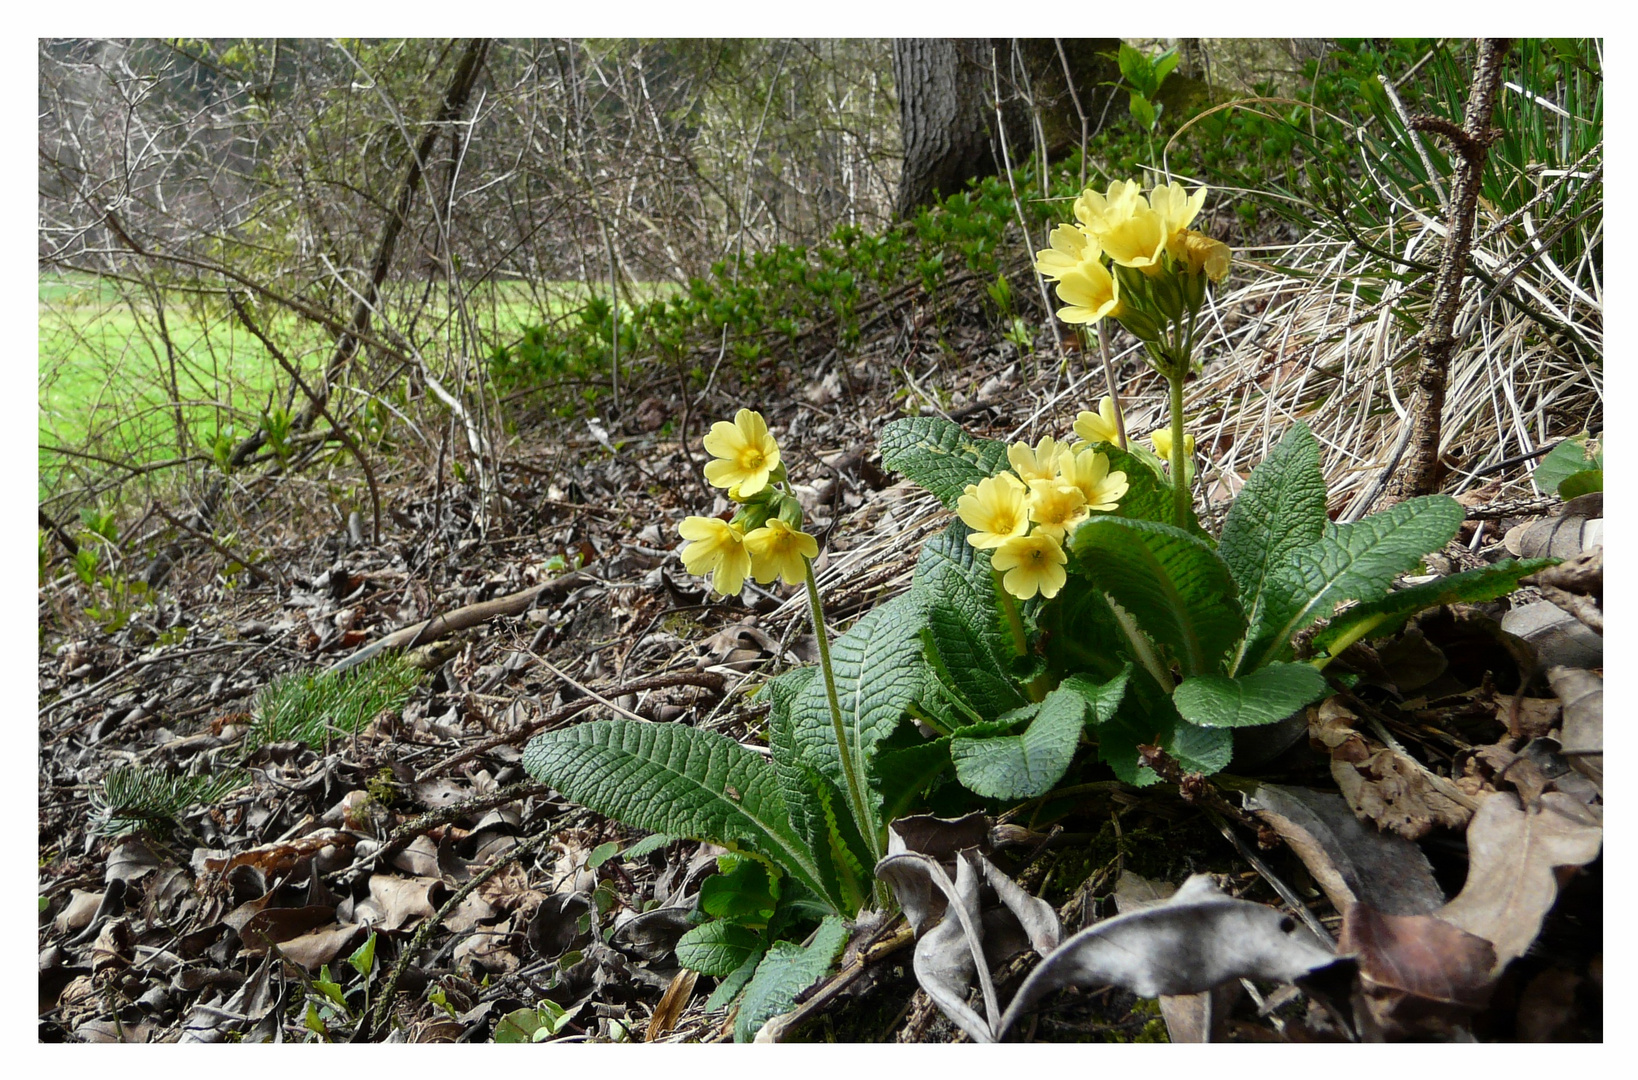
column 994, row 509
column 715, row 547
column 1055, row 507
column 1098, row 427
column 1031, row 564
column 1039, row 463
column 1090, row 291
column 1162, row 441
column 1177, row 208
column 1070, row 247
column 777, row 550
column 745, row 454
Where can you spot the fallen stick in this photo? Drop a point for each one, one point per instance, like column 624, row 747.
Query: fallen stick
column 462, row 618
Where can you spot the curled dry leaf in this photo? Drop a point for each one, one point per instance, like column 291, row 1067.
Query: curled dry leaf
column 1390, row 788
column 956, row 938
column 1514, row 856
column 1417, row 973
column 1197, row 940
column 1190, row 1018
column 276, row 858
column 1582, row 693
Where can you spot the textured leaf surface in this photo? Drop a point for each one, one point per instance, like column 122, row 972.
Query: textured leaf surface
column 966, row 623
column 939, row 455
column 786, row 971
column 1148, row 497
column 1171, row 582
column 1567, row 459
column 1351, row 562
column 901, row 775
column 1199, row 749
column 1025, row 765
column 1386, row 615
column 673, row 779
column 1262, row 697
column 1102, row 698
column 811, row 800
column 717, row 948
column 879, row 670
column 1281, row 509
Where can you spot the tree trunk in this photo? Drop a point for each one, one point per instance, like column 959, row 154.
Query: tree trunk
column 946, row 91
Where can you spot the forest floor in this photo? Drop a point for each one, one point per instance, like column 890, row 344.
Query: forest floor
column 281, row 910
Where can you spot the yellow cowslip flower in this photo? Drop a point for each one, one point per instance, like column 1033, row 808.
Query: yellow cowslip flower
column 1176, row 208
column 1090, row 291
column 1089, row 472
column 1056, row 506
column 745, row 454
column 716, row 547
column 994, row 510
column 1199, row 252
column 1031, row 564
column 1099, row 211
column 1040, row 463
column 1162, row 441
column 777, row 550
column 1136, row 239
column 1070, row 247
column 1099, row 427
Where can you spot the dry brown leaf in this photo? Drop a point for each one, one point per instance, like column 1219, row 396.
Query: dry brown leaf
column 272, row 859
column 1514, row 856
column 273, row 926
column 1582, row 740
column 404, row 902
column 316, row 948
column 671, row 1005
column 1380, row 783
column 1418, row 973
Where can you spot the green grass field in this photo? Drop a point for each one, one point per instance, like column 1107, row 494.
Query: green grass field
column 105, row 375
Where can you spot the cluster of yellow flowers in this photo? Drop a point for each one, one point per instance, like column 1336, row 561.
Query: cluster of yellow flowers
column 1150, row 235
column 765, row 539
column 1021, row 516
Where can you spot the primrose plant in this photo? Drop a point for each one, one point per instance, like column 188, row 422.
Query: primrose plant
column 1074, row 604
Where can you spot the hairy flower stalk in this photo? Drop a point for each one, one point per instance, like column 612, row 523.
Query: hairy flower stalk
column 844, row 749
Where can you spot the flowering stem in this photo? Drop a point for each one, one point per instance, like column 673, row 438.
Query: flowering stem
column 1109, row 383
column 1180, row 477
column 1037, row 690
column 844, row 749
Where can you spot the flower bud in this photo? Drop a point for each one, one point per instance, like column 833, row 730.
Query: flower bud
column 1200, row 253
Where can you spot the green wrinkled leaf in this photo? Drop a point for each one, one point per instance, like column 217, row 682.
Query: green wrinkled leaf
column 1148, row 497
column 740, row 891
column 718, row 948
column 901, row 775
column 363, row 957
column 940, row 456
column 647, row 845
column 674, row 779
column 1280, row 509
column 1102, row 699
column 1264, row 696
column 879, row 669
column 1173, row 583
column 1382, row 617
column 1351, row 562
column 1026, row 765
column 811, row 799
column 734, row 982
column 1199, row 749
column 786, row 971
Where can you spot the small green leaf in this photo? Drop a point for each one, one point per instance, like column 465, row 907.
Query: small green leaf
column 740, row 891
column 939, row 455
column 1102, row 699
column 1582, row 483
column 1580, row 453
column 786, row 971
column 601, row 854
column 363, row 958
column 1199, row 749
column 1142, row 111
column 1382, row 617
column 647, row 846
column 1170, row 581
column 1262, row 697
column 718, row 948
